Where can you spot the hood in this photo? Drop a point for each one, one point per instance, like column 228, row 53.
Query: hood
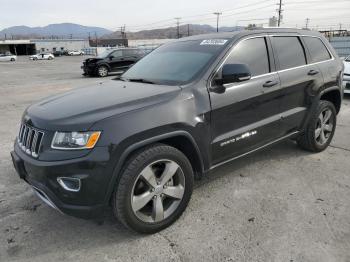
column 92, row 60
column 79, row 109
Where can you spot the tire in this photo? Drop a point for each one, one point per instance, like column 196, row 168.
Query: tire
column 35, row 59
column 13, row 60
column 160, row 161
column 50, row 58
column 102, row 71
column 319, row 132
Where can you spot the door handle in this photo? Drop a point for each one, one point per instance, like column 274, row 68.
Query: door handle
column 270, row 83
column 312, row 72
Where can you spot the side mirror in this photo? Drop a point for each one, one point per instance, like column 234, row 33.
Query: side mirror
column 232, row 73
column 111, row 57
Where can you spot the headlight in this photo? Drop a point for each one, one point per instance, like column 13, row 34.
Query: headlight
column 75, row 140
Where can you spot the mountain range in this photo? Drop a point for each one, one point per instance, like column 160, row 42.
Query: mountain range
column 69, row 30
column 171, row 32
column 64, row 30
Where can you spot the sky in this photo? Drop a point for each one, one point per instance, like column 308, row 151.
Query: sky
column 139, row 15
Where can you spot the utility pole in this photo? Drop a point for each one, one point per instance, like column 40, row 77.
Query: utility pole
column 178, row 26
column 217, row 20
column 307, row 23
column 96, row 39
column 279, row 10
column 188, row 29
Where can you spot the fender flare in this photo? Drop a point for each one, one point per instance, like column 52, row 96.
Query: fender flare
column 140, row 144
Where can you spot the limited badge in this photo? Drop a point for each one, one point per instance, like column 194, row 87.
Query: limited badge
column 213, row 42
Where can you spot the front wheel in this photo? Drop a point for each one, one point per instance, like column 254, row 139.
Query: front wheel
column 154, row 189
column 102, row 71
column 320, row 129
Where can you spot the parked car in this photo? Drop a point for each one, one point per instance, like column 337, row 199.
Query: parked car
column 7, row 57
column 60, row 53
column 137, row 142
column 112, row 60
column 346, row 77
column 72, row 53
column 42, row 56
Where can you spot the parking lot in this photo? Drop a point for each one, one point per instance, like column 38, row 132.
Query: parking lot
column 280, row 204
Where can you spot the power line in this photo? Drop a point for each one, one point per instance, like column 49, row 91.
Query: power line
column 178, row 26
column 307, row 20
column 279, row 10
column 217, row 20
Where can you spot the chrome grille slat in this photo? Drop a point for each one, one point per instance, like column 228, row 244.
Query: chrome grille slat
column 29, row 140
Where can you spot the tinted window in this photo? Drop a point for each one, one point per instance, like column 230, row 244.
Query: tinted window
column 289, row 50
column 253, row 53
column 116, row 53
column 130, row 52
column 317, row 49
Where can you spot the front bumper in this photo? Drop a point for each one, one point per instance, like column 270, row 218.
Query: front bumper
column 94, row 171
column 346, row 85
column 89, row 70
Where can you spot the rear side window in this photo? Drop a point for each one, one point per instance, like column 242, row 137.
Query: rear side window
column 130, row 52
column 317, row 49
column 253, row 53
column 290, row 52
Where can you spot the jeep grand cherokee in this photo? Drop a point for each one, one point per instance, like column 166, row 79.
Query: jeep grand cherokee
column 136, row 143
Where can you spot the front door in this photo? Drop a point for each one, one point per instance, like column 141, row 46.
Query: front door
column 246, row 115
column 116, row 61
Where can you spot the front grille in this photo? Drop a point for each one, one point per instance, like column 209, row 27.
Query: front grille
column 29, row 140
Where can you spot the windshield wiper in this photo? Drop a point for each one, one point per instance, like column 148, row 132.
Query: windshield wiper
column 140, row 80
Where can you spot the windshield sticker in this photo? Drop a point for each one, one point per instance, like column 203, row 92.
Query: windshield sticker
column 213, row 42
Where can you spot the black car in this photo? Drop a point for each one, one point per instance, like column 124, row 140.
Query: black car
column 58, row 53
column 190, row 106
column 116, row 61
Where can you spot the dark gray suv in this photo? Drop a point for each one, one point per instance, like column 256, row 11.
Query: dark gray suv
column 136, row 143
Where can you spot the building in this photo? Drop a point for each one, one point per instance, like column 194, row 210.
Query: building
column 52, row 45
column 341, row 44
column 18, row 47
column 273, row 21
column 115, row 42
column 30, row 47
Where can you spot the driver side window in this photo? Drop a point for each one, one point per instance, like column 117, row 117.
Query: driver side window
column 251, row 52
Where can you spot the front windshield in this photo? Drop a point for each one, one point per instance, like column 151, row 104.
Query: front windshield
column 104, row 54
column 176, row 63
column 347, row 59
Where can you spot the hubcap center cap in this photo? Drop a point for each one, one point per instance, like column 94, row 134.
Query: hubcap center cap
column 158, row 190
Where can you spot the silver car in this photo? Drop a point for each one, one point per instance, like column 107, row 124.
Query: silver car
column 7, row 57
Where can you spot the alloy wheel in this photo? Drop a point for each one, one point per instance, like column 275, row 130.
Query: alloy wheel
column 158, row 191
column 324, row 126
column 102, row 71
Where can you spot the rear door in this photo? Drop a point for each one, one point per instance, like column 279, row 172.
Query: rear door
column 246, row 115
column 130, row 56
column 300, row 80
column 319, row 54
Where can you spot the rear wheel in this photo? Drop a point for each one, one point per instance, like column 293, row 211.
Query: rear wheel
column 102, row 71
column 154, row 189
column 12, row 59
column 320, row 129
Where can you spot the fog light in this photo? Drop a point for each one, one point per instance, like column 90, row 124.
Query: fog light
column 69, row 183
